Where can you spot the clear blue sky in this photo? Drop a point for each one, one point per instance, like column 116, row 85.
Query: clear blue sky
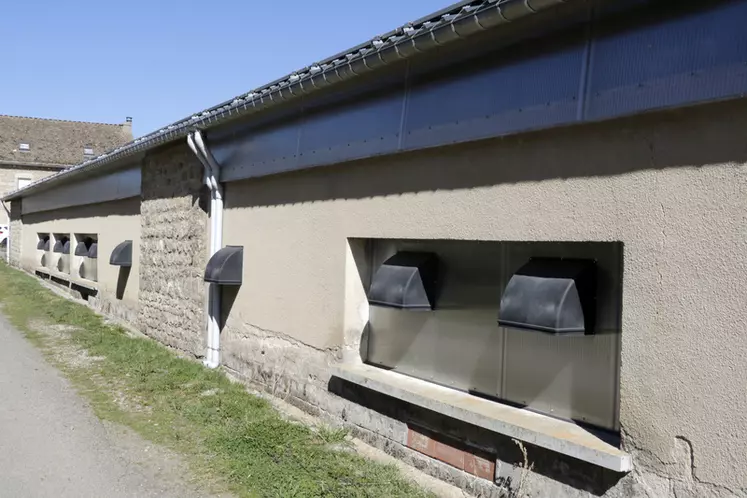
column 160, row 60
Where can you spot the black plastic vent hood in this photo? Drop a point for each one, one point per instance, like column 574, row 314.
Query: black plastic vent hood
column 556, row 296
column 406, row 281
column 226, row 267
column 121, row 255
column 93, row 251
column 81, row 249
column 41, row 244
column 47, row 244
column 59, row 245
column 66, row 247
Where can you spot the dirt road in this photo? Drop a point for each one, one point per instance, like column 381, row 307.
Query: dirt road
column 52, row 445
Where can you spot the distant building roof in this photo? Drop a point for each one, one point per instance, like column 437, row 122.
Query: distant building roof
column 57, row 143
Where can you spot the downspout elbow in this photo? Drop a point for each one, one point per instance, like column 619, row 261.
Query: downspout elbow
column 211, row 162
column 196, row 151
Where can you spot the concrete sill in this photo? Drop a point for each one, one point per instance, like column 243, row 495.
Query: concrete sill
column 86, row 284
column 52, row 273
column 546, row 432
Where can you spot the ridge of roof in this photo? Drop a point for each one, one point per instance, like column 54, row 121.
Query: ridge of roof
column 457, row 21
column 59, row 120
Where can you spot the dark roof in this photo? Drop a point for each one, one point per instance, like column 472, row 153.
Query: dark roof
column 53, row 142
column 456, row 22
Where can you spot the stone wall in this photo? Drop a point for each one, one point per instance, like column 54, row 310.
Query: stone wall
column 110, row 305
column 16, row 229
column 173, row 250
column 9, row 176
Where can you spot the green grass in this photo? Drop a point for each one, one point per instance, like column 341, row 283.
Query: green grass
column 235, row 438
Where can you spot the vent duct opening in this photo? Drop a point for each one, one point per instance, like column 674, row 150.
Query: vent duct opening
column 59, row 245
column 226, row 267
column 407, row 280
column 41, row 244
column 81, row 249
column 121, row 255
column 556, row 296
column 64, row 263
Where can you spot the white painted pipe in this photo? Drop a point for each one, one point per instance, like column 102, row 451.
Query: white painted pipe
column 217, row 197
column 214, row 166
column 7, row 237
column 206, row 177
column 212, row 356
column 212, row 322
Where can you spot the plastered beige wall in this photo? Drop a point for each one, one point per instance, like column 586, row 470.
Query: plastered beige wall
column 671, row 186
column 114, row 222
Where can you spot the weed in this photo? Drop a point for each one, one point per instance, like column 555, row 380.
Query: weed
column 332, row 435
column 526, row 468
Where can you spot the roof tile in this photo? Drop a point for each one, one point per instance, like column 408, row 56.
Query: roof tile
column 55, row 142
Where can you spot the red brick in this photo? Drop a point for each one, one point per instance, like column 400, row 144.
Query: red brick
column 470, row 465
column 449, row 454
column 478, row 466
column 484, row 468
column 421, row 442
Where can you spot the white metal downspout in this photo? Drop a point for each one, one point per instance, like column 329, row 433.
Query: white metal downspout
column 197, row 144
column 217, row 191
column 7, row 237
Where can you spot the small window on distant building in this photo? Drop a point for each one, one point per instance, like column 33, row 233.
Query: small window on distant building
column 24, row 147
column 88, row 151
column 22, row 182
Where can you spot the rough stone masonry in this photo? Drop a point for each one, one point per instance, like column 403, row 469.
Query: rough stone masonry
column 173, row 250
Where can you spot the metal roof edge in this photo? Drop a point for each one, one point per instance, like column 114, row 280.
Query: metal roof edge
column 445, row 26
column 33, row 164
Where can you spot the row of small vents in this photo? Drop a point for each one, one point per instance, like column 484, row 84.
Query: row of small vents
column 121, row 255
column 550, row 295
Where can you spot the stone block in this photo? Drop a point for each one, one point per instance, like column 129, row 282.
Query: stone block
column 173, row 250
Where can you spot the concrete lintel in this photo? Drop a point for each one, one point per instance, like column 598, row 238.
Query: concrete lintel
column 546, row 432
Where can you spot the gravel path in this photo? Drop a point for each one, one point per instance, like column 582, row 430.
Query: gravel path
column 52, row 445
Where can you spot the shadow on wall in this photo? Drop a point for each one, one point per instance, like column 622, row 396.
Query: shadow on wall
column 227, row 300
column 693, row 137
column 172, row 172
column 124, row 207
column 560, row 468
column 202, row 198
column 122, row 278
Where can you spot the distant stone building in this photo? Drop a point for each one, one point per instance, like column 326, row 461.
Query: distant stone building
column 33, row 148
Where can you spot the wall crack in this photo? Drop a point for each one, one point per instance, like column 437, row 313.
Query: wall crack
column 271, row 334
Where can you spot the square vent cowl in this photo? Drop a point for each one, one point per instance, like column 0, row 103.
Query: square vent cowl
column 407, row 281
column 552, row 295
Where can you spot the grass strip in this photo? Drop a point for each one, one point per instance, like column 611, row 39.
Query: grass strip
column 226, row 433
